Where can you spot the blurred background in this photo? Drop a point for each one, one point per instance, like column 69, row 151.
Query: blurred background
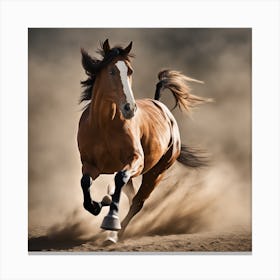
column 213, row 199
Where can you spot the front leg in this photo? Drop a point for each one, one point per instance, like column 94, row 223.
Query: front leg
column 90, row 173
column 90, row 205
column 112, row 221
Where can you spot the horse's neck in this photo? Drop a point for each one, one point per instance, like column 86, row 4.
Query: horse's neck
column 103, row 112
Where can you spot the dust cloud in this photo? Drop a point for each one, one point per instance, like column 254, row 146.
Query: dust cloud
column 187, row 201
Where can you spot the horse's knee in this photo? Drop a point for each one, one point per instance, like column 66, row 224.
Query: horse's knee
column 85, row 181
column 121, row 178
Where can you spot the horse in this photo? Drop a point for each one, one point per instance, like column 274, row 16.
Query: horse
column 126, row 137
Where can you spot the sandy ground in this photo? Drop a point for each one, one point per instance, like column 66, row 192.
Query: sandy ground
column 237, row 241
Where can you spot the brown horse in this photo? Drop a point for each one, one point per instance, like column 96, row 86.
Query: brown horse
column 118, row 134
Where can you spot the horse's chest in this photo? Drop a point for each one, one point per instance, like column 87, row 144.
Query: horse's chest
column 108, row 153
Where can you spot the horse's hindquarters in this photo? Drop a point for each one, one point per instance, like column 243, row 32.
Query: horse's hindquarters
column 159, row 132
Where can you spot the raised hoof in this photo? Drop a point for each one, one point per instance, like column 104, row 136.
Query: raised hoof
column 111, row 223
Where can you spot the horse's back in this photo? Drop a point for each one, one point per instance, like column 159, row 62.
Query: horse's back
column 157, row 118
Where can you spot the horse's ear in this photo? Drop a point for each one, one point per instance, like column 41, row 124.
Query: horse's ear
column 88, row 63
column 128, row 48
column 106, row 46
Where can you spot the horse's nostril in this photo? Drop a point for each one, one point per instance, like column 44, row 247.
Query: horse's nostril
column 127, row 107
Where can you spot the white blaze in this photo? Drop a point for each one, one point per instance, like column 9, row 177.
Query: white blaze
column 125, row 82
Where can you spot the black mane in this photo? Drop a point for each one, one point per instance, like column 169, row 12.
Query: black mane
column 93, row 66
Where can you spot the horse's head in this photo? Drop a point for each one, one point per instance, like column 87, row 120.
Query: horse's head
column 112, row 77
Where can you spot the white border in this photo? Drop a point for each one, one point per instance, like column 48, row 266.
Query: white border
column 262, row 16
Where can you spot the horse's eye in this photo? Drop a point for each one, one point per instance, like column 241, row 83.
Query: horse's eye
column 112, row 72
column 129, row 72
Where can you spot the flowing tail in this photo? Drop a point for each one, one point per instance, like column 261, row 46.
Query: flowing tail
column 193, row 157
column 178, row 84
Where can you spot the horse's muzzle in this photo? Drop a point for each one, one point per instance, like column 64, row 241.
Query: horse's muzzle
column 128, row 110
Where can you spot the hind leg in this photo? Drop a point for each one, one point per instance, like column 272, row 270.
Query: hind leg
column 149, row 182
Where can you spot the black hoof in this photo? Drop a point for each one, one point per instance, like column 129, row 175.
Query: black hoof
column 94, row 207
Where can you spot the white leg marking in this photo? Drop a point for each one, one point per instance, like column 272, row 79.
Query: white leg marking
column 111, row 238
